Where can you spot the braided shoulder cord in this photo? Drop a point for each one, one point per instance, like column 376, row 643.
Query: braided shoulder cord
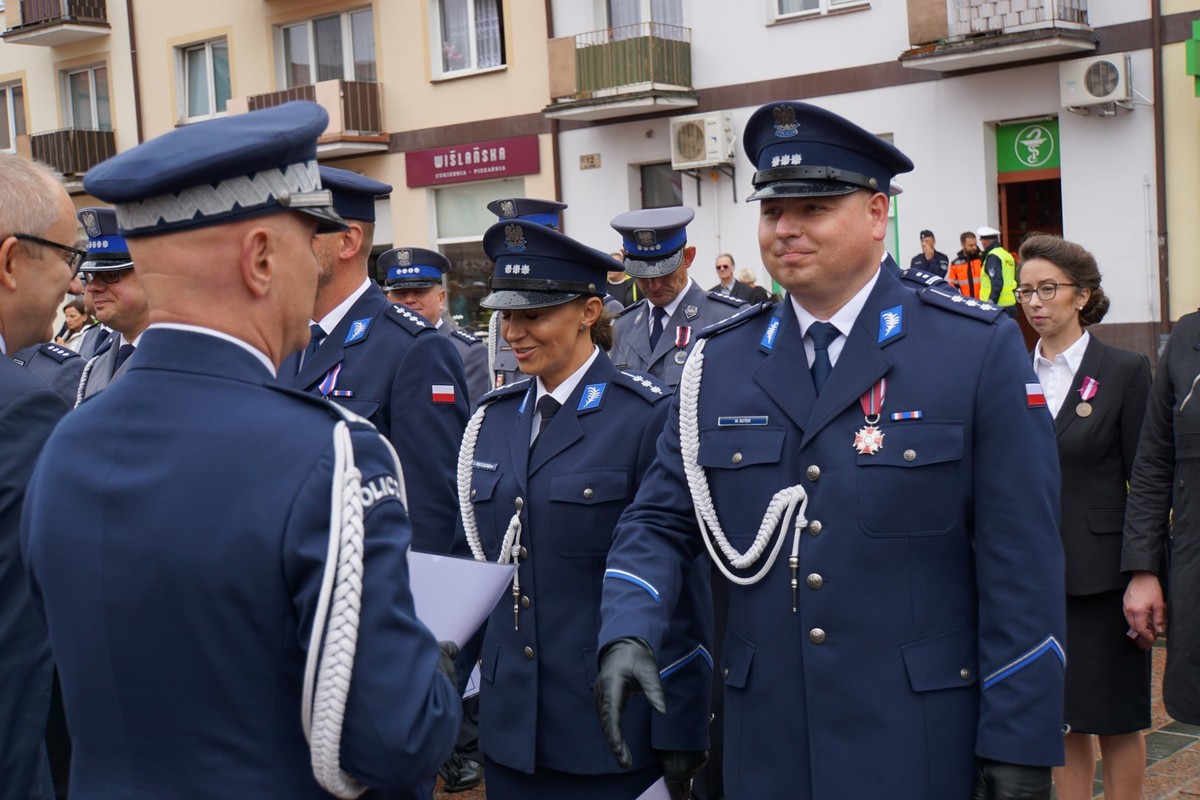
column 493, row 343
column 335, row 624
column 789, row 502
column 83, row 380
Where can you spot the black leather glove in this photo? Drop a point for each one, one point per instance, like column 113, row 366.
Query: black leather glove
column 627, row 666
column 996, row 780
column 679, row 767
column 446, row 661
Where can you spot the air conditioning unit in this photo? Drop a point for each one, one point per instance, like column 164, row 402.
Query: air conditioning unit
column 1095, row 81
column 703, row 140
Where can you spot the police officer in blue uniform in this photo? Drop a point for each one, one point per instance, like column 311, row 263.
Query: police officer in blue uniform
column 235, row 618
column 413, row 279
column 908, row 644
column 385, row 363
column 547, row 466
column 656, row 334
column 55, row 366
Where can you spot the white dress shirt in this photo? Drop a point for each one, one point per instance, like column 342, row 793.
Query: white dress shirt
column 1057, row 376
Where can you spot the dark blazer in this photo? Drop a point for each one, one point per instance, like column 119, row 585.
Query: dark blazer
column 1095, row 453
column 387, row 361
column 28, row 413
column 742, row 291
column 181, row 583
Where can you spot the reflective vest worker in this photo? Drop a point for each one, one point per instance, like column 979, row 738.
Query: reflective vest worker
column 999, row 276
column 965, row 269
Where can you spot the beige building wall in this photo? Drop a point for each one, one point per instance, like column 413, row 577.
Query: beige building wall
column 1181, row 126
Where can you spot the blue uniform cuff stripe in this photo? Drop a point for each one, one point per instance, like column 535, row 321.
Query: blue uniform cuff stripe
column 697, row 652
column 1047, row 645
column 634, row 579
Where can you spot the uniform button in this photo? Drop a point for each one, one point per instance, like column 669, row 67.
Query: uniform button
column 814, row 527
column 910, row 455
column 813, row 472
column 519, row 503
column 529, row 652
column 473, row 493
column 725, row 672
column 737, row 458
column 526, row 602
column 523, row 552
column 815, row 581
column 965, row 674
column 816, row 636
column 587, row 493
column 1180, row 483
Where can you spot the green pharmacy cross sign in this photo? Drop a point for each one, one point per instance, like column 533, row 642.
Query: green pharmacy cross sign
column 1025, row 146
column 1192, row 51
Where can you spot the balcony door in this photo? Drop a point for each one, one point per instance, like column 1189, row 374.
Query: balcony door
column 625, row 17
column 88, row 106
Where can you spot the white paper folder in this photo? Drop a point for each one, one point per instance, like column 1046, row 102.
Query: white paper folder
column 453, row 596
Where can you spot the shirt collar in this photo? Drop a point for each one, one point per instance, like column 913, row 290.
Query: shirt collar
column 845, row 316
column 1073, row 355
column 563, row 392
column 331, row 320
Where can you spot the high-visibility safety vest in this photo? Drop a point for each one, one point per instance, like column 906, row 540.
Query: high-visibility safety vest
column 1008, row 272
column 964, row 275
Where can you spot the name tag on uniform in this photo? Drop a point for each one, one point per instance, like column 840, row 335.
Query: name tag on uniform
column 736, row 421
column 490, row 467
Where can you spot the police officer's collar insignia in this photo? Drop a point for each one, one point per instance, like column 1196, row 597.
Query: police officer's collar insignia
column 514, row 238
column 358, row 330
column 768, row 340
column 593, row 393
column 637, row 320
column 508, row 209
column 404, row 258
column 91, row 225
column 785, row 122
column 691, row 311
column 891, row 323
column 646, row 239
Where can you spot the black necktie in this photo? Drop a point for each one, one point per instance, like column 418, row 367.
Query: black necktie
column 316, row 334
column 547, row 407
column 124, row 352
column 822, row 335
column 658, row 321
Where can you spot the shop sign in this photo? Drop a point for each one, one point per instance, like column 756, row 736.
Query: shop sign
column 499, row 158
column 1024, row 146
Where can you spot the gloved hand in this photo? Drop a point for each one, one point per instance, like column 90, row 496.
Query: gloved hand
column 679, row 766
column 446, row 660
column 996, row 780
column 627, row 666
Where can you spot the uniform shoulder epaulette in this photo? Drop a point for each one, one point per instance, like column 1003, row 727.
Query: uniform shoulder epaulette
column 951, row 300
column 644, row 386
column 727, row 299
column 516, row 387
column 748, row 312
column 406, row 319
column 631, row 307
column 466, row 337
column 921, row 277
column 58, row 352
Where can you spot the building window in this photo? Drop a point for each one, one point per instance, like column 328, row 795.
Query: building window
column 204, row 76
column 661, row 186
column 812, row 8
column 12, row 115
column 469, row 35
column 87, row 99
column 337, row 47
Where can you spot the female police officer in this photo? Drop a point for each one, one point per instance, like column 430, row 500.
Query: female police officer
column 547, row 466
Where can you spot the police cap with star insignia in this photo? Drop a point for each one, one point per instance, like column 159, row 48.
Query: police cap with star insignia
column 353, row 194
column 653, row 239
column 529, row 209
column 537, row 266
column 220, row 171
column 800, row 150
column 106, row 248
column 412, row 268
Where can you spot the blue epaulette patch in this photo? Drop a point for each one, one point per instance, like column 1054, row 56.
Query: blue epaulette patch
column 920, row 276
column 748, row 312
column 644, row 386
column 466, row 337
column 727, row 299
column 406, row 319
column 631, row 307
column 58, row 352
column 967, row 306
column 517, row 387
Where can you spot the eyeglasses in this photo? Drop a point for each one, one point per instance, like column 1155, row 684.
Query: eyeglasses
column 1045, row 291
column 723, row 266
column 76, row 255
column 107, row 276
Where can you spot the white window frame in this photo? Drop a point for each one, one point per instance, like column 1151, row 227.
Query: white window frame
column 68, row 105
column 182, row 65
column 16, row 118
column 281, row 65
column 824, row 7
column 437, row 39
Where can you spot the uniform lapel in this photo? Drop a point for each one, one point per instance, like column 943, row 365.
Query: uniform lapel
column 694, row 296
column 329, row 354
column 1092, row 364
column 518, row 438
column 784, row 375
column 639, row 334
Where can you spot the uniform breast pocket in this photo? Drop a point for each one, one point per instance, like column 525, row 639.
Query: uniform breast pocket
column 483, row 490
column 584, row 507
column 365, row 407
column 908, row 488
column 742, row 464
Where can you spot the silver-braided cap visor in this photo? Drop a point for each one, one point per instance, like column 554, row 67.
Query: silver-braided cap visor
column 641, row 268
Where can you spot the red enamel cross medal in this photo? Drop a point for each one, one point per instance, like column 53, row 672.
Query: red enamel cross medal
column 869, row 439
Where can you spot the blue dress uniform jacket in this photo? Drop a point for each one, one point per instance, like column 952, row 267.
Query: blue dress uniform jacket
column 104, row 371
column 382, row 362
column 474, row 360
column 631, row 332
column 930, row 601
column 54, row 365
column 536, row 704
column 180, row 614
column 28, row 413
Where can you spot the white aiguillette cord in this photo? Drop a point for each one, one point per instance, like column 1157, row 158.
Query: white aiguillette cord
column 789, row 502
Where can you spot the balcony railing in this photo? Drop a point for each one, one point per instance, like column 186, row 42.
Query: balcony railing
column 72, row 151
column 34, row 12
column 51, row 23
column 355, row 114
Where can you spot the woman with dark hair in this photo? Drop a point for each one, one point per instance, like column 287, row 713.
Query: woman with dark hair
column 1097, row 395
column 547, row 465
